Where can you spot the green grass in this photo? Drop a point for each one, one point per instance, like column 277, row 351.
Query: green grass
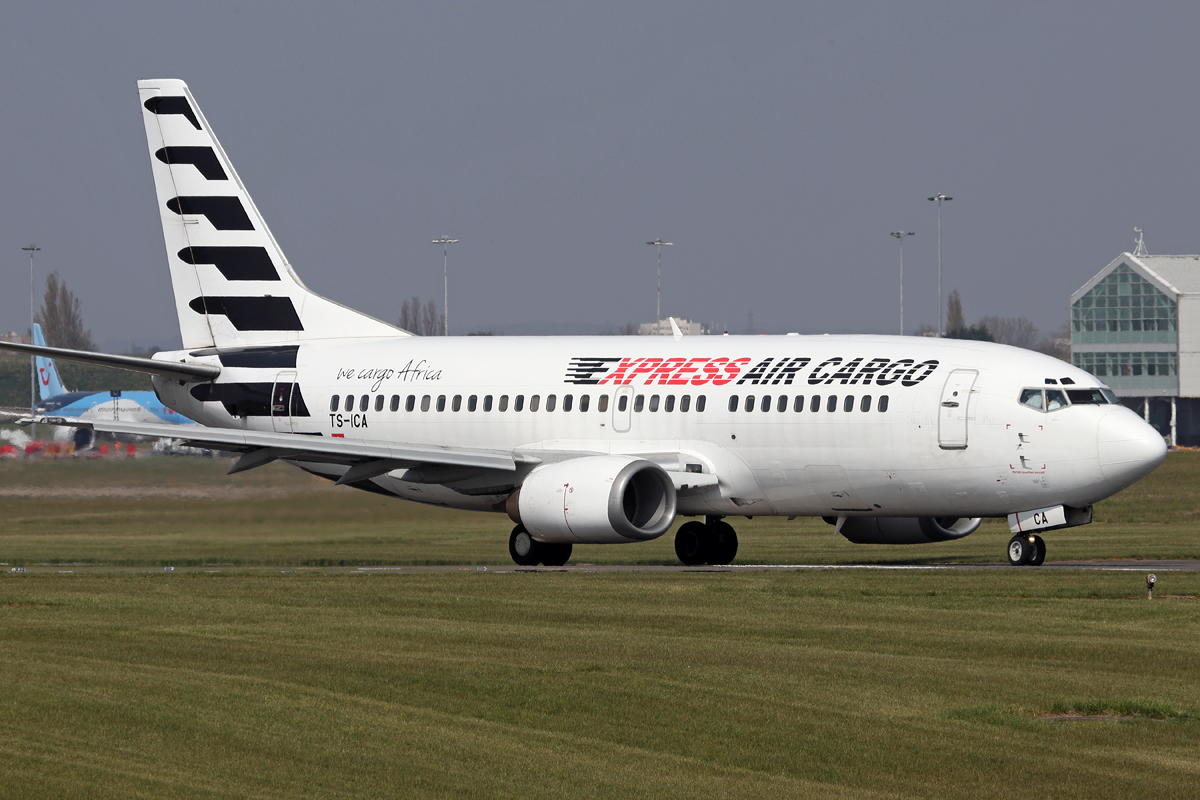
column 813, row 684
column 820, row 683
column 278, row 515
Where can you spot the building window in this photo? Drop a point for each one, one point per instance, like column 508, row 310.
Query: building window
column 1131, row 370
column 1122, row 308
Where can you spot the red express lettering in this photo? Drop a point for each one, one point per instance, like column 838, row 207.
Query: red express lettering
column 664, row 370
column 617, row 376
column 680, row 377
column 731, row 369
column 647, row 365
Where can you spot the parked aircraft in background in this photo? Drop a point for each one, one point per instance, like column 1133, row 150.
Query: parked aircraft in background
column 117, row 406
column 892, row 439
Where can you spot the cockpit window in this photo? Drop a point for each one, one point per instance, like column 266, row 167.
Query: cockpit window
column 1111, row 395
column 1055, row 400
column 1092, row 397
column 1032, row 398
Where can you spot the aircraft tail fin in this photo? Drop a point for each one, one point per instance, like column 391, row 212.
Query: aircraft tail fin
column 49, row 384
column 233, row 286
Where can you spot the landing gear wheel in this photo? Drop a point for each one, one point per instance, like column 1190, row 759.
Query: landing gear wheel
column 1020, row 550
column 1039, row 552
column 722, row 543
column 691, row 543
column 555, row 554
column 524, row 549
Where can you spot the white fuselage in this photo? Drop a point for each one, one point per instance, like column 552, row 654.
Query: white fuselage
column 930, row 453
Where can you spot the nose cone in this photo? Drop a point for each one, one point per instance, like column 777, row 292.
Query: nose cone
column 1128, row 447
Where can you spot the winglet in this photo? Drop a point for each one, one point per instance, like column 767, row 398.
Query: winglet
column 678, row 334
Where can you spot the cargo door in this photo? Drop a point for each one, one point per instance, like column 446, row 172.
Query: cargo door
column 281, row 402
column 954, row 409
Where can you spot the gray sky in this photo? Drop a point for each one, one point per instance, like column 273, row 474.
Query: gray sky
column 775, row 144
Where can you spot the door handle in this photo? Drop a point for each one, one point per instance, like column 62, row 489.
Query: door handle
column 949, row 404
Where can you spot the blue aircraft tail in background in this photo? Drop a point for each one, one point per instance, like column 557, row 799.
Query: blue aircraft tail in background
column 49, row 384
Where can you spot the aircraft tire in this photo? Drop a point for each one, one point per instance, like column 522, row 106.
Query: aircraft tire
column 524, row 549
column 722, row 544
column 1020, row 550
column 691, row 543
column 1039, row 552
column 556, row 554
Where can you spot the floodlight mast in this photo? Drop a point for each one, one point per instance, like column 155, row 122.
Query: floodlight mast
column 31, row 249
column 445, row 242
column 900, row 238
column 660, row 244
column 939, row 197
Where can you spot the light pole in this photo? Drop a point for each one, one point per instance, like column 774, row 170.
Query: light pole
column 939, row 197
column 31, row 249
column 660, row 244
column 900, row 238
column 445, row 242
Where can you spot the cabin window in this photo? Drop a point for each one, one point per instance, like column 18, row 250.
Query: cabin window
column 670, row 403
column 583, row 403
column 733, row 403
column 410, row 403
column 567, row 400
column 519, row 403
column 654, row 402
column 749, row 402
column 535, row 401
column 379, row 402
column 865, row 405
column 639, row 402
column 550, row 401
column 883, row 403
column 441, row 403
column 425, row 403
column 364, row 402
column 333, row 402
column 848, row 404
column 395, row 404
column 700, row 401
column 1055, row 399
column 622, row 403
column 349, row 403
column 1032, row 398
column 456, row 403
column 798, row 405
column 601, row 403
column 766, row 403
column 504, row 402
column 815, row 404
column 487, row 402
column 782, row 404
column 472, row 402
column 685, row 403
column 831, row 404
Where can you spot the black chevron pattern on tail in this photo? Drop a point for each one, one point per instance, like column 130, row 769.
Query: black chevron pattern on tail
column 234, row 263
column 252, row 313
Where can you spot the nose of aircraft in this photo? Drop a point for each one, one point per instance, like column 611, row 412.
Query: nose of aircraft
column 1128, row 447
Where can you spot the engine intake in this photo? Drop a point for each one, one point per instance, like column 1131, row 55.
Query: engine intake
column 595, row 500
column 907, row 530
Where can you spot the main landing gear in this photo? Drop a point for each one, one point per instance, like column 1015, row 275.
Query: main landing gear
column 529, row 552
column 710, row 542
column 1027, row 549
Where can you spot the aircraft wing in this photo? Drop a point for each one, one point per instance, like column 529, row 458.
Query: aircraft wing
column 365, row 459
column 182, row 370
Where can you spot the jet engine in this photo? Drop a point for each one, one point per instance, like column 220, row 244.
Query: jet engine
column 596, row 500
column 907, row 530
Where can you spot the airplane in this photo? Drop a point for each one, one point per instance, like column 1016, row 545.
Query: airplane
column 601, row 439
column 136, row 406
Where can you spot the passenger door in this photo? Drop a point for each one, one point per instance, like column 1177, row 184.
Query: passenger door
column 281, row 402
column 953, row 411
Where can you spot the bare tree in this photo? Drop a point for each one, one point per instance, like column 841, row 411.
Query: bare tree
column 1057, row 344
column 60, row 318
column 423, row 320
column 954, row 314
column 1017, row 331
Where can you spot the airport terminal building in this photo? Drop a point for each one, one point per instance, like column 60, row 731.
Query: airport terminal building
column 1136, row 327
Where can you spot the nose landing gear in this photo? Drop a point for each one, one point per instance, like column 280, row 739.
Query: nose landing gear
column 710, row 542
column 1026, row 549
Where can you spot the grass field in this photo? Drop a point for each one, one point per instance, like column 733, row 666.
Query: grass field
column 825, row 683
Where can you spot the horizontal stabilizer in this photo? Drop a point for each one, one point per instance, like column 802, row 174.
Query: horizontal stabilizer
column 181, row 371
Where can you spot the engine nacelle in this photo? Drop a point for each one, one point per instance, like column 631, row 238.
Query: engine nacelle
column 907, row 530
column 595, row 500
